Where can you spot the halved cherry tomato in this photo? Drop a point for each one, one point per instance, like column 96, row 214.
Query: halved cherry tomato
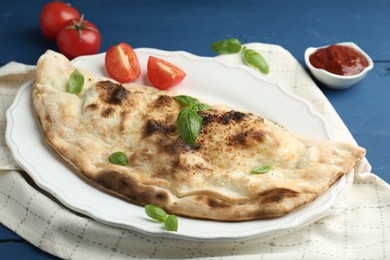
column 78, row 37
column 163, row 74
column 122, row 63
column 53, row 15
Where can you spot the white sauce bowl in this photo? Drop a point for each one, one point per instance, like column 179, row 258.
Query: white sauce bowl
column 336, row 81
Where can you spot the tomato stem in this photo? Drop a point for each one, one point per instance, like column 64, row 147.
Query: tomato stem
column 79, row 26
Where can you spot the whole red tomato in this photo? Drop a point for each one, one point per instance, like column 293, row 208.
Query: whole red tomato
column 78, row 37
column 122, row 63
column 53, row 15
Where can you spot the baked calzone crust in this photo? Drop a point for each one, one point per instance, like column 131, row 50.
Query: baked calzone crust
column 212, row 179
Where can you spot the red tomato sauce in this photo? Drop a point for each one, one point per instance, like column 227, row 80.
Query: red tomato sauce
column 339, row 59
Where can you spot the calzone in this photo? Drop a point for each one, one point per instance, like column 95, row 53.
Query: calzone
column 241, row 167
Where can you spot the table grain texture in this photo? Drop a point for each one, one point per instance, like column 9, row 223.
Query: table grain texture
column 193, row 25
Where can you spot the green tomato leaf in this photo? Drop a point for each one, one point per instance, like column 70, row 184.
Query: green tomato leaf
column 119, row 158
column 156, row 213
column 256, row 60
column 228, row 46
column 189, row 124
column 171, row 223
column 261, row 169
column 75, row 82
column 186, row 100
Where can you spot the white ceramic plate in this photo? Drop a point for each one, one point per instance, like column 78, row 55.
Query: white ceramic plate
column 207, row 78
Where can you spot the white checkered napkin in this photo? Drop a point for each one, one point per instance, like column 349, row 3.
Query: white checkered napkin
column 12, row 76
column 358, row 226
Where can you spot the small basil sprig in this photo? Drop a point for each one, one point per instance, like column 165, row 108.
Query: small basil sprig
column 171, row 223
column 261, row 169
column 256, row 60
column 251, row 57
column 158, row 214
column 119, row 158
column 75, row 82
column 228, row 46
column 188, row 122
column 186, row 100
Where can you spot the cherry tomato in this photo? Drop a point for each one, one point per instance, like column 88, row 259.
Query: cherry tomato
column 122, row 63
column 53, row 15
column 163, row 74
column 78, row 37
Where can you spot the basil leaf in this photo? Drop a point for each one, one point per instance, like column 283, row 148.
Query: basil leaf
column 156, row 213
column 261, row 169
column 171, row 223
column 75, row 82
column 189, row 124
column 119, row 158
column 159, row 215
column 255, row 60
column 186, row 100
column 228, row 46
column 200, row 107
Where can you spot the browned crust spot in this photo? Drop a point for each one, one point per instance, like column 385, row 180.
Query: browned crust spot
column 111, row 93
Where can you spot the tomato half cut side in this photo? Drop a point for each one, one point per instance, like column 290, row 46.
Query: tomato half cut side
column 122, row 63
column 163, row 74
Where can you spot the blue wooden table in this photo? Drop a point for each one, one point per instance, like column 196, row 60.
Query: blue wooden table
column 193, row 25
